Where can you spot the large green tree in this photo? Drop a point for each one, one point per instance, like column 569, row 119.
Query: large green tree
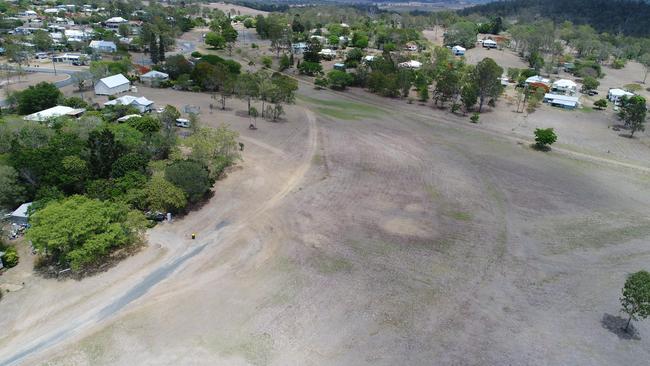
column 38, row 97
column 486, row 76
column 79, row 231
column 191, row 176
column 633, row 112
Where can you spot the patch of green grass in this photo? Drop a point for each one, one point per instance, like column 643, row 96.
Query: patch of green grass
column 460, row 215
column 586, row 109
column 341, row 109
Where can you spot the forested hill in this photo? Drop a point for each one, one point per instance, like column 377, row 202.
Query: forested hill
column 630, row 17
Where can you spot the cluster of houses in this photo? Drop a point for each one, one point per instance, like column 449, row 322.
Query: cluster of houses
column 108, row 86
column 63, row 30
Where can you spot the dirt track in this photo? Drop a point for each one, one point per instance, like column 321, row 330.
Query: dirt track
column 384, row 236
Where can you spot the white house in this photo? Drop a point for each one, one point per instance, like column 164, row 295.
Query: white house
column 51, row 11
column 458, row 51
column 54, row 112
column 538, row 80
column 103, row 46
column 77, row 35
column 562, row 101
column 112, row 85
column 564, row 86
column 615, row 95
column 142, row 104
column 488, row 43
column 410, row 64
column 67, row 58
column 115, row 22
column 154, row 76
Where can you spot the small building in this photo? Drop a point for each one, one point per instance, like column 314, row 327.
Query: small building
column 488, row 43
column 20, row 215
column 615, row 95
column 51, row 11
column 153, row 77
column 339, row 66
column 54, row 112
column 112, row 85
column 564, row 86
column 562, row 101
column 103, row 46
column 142, row 104
column 458, row 51
column 412, row 64
column 327, row 54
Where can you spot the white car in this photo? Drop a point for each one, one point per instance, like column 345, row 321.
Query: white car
column 182, row 122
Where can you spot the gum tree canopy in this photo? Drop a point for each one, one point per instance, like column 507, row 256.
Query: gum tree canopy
column 79, row 231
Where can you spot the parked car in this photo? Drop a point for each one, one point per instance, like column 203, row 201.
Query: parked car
column 592, row 93
column 155, row 216
column 182, row 122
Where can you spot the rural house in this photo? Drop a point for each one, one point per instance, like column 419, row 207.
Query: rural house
column 142, row 104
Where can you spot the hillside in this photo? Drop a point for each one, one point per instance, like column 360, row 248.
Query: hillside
column 629, row 17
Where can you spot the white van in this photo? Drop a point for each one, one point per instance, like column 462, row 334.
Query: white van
column 182, row 122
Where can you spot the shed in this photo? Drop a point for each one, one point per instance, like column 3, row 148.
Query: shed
column 19, row 216
column 112, row 85
column 562, row 101
column 142, row 104
column 458, row 50
column 154, row 76
column 54, row 112
column 339, row 66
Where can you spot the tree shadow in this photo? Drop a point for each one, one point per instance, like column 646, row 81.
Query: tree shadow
column 616, row 325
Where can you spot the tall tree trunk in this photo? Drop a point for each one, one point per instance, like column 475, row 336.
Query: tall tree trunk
column 628, row 323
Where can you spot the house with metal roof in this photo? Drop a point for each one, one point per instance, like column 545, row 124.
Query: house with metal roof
column 142, row 104
column 154, row 76
column 103, row 46
column 54, row 112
